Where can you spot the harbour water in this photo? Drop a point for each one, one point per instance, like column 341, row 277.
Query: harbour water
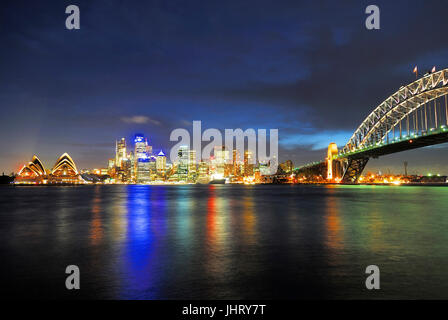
column 224, row 241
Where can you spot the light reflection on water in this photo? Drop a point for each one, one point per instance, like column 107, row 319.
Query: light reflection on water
column 334, row 226
column 96, row 230
column 220, row 241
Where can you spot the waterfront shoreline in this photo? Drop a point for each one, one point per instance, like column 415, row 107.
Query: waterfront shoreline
column 236, row 184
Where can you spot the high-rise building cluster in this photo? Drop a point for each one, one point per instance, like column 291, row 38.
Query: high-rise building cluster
column 137, row 163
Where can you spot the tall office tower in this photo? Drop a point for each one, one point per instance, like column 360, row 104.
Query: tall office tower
column 143, row 170
column 235, row 162
column 182, row 167
column 192, row 171
column 141, row 160
column 111, row 167
column 131, row 169
column 203, row 172
column 161, row 162
column 248, row 166
column 125, row 171
column 220, row 160
column 140, row 147
column 120, row 152
column 152, row 167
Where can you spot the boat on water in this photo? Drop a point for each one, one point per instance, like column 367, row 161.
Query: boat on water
column 217, row 181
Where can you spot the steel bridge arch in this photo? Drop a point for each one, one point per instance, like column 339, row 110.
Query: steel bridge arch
column 397, row 107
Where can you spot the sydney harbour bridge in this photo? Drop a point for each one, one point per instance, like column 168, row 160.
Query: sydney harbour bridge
column 415, row 116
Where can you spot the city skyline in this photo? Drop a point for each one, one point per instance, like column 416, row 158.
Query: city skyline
column 138, row 163
column 160, row 151
column 172, row 71
column 229, row 158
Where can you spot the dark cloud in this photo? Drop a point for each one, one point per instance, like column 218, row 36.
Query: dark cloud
column 345, row 81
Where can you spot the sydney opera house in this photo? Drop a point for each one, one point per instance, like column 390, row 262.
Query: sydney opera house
column 63, row 172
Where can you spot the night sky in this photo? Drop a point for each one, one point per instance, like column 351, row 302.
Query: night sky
column 308, row 68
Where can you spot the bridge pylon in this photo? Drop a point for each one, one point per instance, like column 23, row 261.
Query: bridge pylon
column 333, row 165
column 353, row 169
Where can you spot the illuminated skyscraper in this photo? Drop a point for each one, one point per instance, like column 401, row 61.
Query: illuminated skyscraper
column 221, row 158
column 287, row 166
column 124, row 174
column 235, row 163
column 192, row 171
column 161, row 162
column 111, row 164
column 120, row 152
column 123, row 164
column 131, row 167
column 141, row 160
column 111, row 167
column 203, row 172
column 152, row 167
column 140, row 151
column 182, row 167
column 143, row 172
column 248, row 166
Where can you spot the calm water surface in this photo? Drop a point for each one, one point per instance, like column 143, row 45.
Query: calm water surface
column 224, row 241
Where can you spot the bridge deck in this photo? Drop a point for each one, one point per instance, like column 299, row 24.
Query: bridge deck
column 434, row 136
column 413, row 141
